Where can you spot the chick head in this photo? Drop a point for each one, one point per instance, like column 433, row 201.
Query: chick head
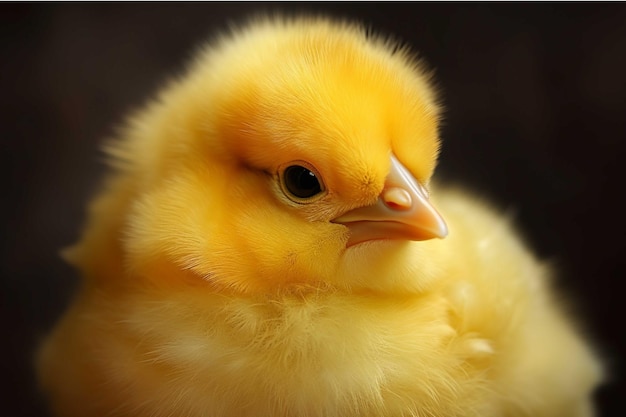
column 293, row 154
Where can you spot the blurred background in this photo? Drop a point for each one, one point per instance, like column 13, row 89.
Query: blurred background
column 535, row 96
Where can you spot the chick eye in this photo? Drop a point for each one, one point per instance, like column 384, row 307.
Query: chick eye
column 301, row 182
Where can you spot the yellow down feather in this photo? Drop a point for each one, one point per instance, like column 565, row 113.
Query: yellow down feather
column 208, row 292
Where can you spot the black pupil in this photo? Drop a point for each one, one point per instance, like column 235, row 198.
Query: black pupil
column 301, row 182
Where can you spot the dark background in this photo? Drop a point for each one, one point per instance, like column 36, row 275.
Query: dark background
column 535, row 96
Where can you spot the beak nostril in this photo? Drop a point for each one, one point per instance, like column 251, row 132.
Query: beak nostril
column 401, row 211
column 397, row 198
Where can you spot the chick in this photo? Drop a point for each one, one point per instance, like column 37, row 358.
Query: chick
column 270, row 243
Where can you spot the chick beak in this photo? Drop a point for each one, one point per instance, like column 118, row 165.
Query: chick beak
column 402, row 211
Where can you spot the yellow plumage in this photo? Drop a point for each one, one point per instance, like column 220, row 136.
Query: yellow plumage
column 211, row 288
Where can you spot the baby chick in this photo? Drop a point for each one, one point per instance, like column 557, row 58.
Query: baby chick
column 269, row 243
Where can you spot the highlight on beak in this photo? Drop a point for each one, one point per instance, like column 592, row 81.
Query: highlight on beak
column 402, row 211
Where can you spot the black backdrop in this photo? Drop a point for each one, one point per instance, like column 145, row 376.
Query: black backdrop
column 535, row 96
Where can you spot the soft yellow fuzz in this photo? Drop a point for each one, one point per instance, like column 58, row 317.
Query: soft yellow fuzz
column 207, row 292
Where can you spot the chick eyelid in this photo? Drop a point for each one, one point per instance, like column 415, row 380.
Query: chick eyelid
column 300, row 182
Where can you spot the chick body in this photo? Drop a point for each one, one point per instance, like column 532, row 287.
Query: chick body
column 209, row 291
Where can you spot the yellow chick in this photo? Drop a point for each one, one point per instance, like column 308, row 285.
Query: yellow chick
column 269, row 244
